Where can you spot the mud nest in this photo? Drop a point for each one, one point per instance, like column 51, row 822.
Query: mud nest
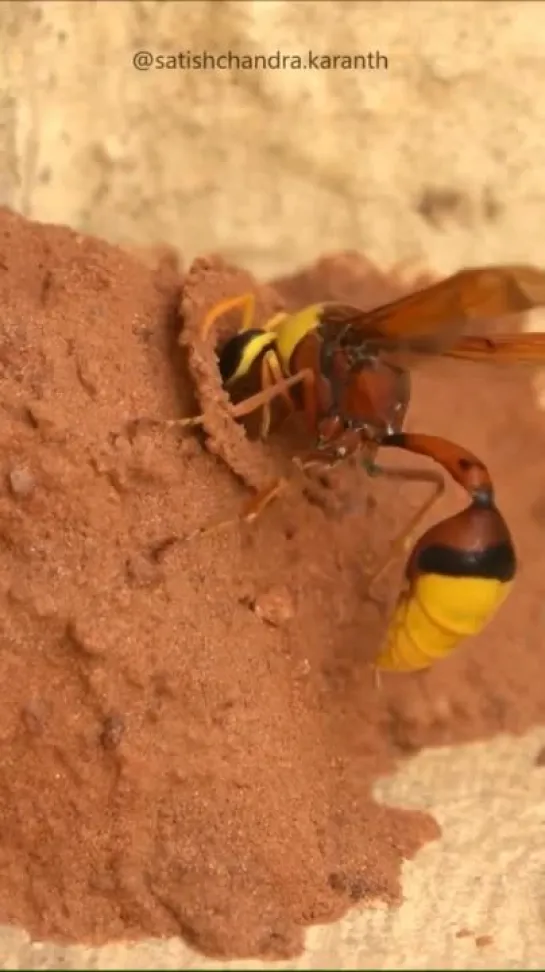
column 189, row 746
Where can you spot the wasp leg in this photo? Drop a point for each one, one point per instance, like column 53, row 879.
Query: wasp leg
column 250, row 511
column 267, row 381
column 307, row 378
column 403, row 541
column 245, row 301
column 247, row 406
column 259, row 503
column 272, row 375
column 254, row 507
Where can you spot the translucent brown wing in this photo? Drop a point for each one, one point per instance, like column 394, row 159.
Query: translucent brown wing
column 434, row 318
column 522, row 347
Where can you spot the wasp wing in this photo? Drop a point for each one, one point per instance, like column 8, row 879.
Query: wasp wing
column 523, row 347
column 432, row 320
column 516, row 348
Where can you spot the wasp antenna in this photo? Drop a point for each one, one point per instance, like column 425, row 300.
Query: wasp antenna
column 245, row 301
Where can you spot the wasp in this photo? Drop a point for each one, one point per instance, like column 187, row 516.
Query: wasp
column 346, row 371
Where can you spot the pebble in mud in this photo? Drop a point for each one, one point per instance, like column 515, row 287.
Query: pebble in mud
column 34, row 717
column 142, row 571
column 112, row 732
column 21, row 482
column 275, row 606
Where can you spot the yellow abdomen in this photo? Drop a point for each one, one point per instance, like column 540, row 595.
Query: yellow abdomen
column 435, row 615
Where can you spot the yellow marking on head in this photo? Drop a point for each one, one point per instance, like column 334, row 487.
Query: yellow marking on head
column 431, row 619
column 292, row 328
column 249, row 353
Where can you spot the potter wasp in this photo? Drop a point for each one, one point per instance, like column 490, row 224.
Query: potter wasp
column 347, row 371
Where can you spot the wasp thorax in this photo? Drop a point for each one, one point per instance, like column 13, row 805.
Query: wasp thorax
column 374, row 397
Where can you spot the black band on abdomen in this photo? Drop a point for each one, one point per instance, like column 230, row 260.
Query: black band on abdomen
column 497, row 562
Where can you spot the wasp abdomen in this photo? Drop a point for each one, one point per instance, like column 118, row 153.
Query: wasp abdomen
column 453, row 590
column 437, row 613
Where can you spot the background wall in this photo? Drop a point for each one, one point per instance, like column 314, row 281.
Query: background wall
column 440, row 156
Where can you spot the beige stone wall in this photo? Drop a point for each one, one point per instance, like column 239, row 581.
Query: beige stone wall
column 440, row 155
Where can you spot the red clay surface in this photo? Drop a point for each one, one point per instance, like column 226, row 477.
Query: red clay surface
column 188, row 744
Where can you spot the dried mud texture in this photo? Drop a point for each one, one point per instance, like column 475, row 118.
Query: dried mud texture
column 189, row 746
column 211, row 280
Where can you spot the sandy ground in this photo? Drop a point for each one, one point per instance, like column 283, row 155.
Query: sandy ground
column 494, row 861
